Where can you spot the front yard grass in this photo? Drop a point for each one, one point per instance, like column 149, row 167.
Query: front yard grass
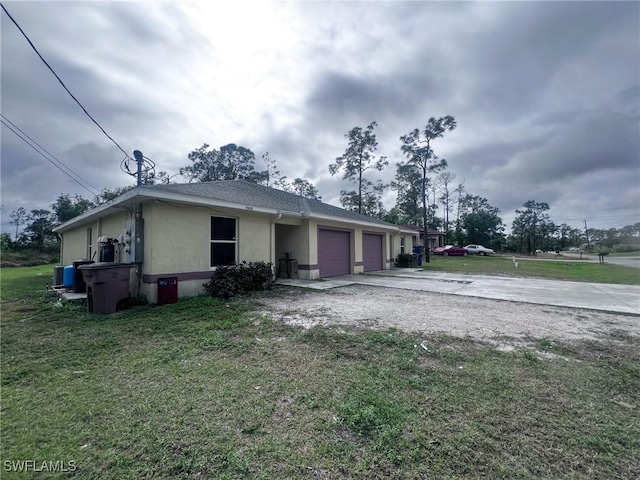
column 212, row 389
column 558, row 270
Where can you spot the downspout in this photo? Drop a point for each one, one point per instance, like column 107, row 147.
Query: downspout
column 138, row 216
column 62, row 249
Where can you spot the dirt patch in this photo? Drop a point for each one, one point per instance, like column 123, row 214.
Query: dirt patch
column 433, row 313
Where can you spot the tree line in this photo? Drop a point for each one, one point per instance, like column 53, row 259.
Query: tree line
column 422, row 183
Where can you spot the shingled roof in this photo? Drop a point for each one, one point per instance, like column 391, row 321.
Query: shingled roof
column 230, row 193
column 247, row 193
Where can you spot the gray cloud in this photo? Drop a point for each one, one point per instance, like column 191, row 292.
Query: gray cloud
column 546, row 95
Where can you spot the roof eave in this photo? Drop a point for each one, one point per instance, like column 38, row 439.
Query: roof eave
column 148, row 193
column 99, row 211
column 388, row 227
column 206, row 201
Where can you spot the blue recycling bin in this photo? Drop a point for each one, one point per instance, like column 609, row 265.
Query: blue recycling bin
column 417, row 250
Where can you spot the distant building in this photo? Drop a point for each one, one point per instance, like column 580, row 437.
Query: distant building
column 436, row 238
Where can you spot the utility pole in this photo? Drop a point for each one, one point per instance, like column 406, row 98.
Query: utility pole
column 586, row 232
column 535, row 220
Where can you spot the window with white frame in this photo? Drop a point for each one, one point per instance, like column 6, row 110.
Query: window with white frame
column 402, row 245
column 223, row 241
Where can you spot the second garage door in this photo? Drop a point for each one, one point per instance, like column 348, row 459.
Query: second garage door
column 334, row 253
column 372, row 252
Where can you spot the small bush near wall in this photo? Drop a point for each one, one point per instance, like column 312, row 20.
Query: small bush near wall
column 241, row 278
column 406, row 260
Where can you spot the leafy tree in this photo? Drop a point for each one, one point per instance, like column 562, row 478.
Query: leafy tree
column 273, row 176
column 458, row 234
column 304, row 188
column 256, row 177
column 18, row 217
column 107, row 194
column 368, row 202
column 444, row 180
column 393, row 216
column 416, row 146
column 630, row 230
column 5, row 242
column 39, row 231
column 357, row 159
column 66, row 207
column 230, row 162
column 547, row 236
column 152, row 178
column 563, row 233
column 526, row 225
column 432, row 206
column 481, row 223
column 408, row 183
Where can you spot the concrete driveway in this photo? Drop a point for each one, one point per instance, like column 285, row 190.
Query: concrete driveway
column 594, row 296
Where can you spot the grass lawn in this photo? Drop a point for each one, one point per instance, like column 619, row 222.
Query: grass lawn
column 211, row 389
column 560, row 270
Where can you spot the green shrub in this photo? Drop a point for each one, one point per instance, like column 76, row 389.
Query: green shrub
column 238, row 279
column 406, row 260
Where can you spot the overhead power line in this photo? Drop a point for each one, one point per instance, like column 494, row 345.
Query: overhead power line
column 51, row 155
column 61, row 82
column 79, row 180
column 605, row 217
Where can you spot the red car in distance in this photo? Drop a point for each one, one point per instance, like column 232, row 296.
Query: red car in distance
column 451, row 250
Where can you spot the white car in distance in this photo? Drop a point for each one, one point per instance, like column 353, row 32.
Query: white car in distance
column 479, row 250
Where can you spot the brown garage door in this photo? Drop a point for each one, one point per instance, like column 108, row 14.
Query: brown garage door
column 334, row 254
column 372, row 252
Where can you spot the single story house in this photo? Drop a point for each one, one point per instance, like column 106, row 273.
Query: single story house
column 436, row 238
column 187, row 230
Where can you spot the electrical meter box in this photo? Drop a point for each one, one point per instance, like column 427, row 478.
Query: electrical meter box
column 134, row 241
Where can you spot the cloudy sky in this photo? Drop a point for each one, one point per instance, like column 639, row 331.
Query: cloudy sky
column 546, row 94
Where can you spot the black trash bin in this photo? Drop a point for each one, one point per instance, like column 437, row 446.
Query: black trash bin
column 79, row 285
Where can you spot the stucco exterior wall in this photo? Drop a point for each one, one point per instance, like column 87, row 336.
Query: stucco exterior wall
column 75, row 241
column 357, row 255
column 294, row 239
column 178, row 239
column 112, row 226
column 74, row 244
column 255, row 242
column 396, row 246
